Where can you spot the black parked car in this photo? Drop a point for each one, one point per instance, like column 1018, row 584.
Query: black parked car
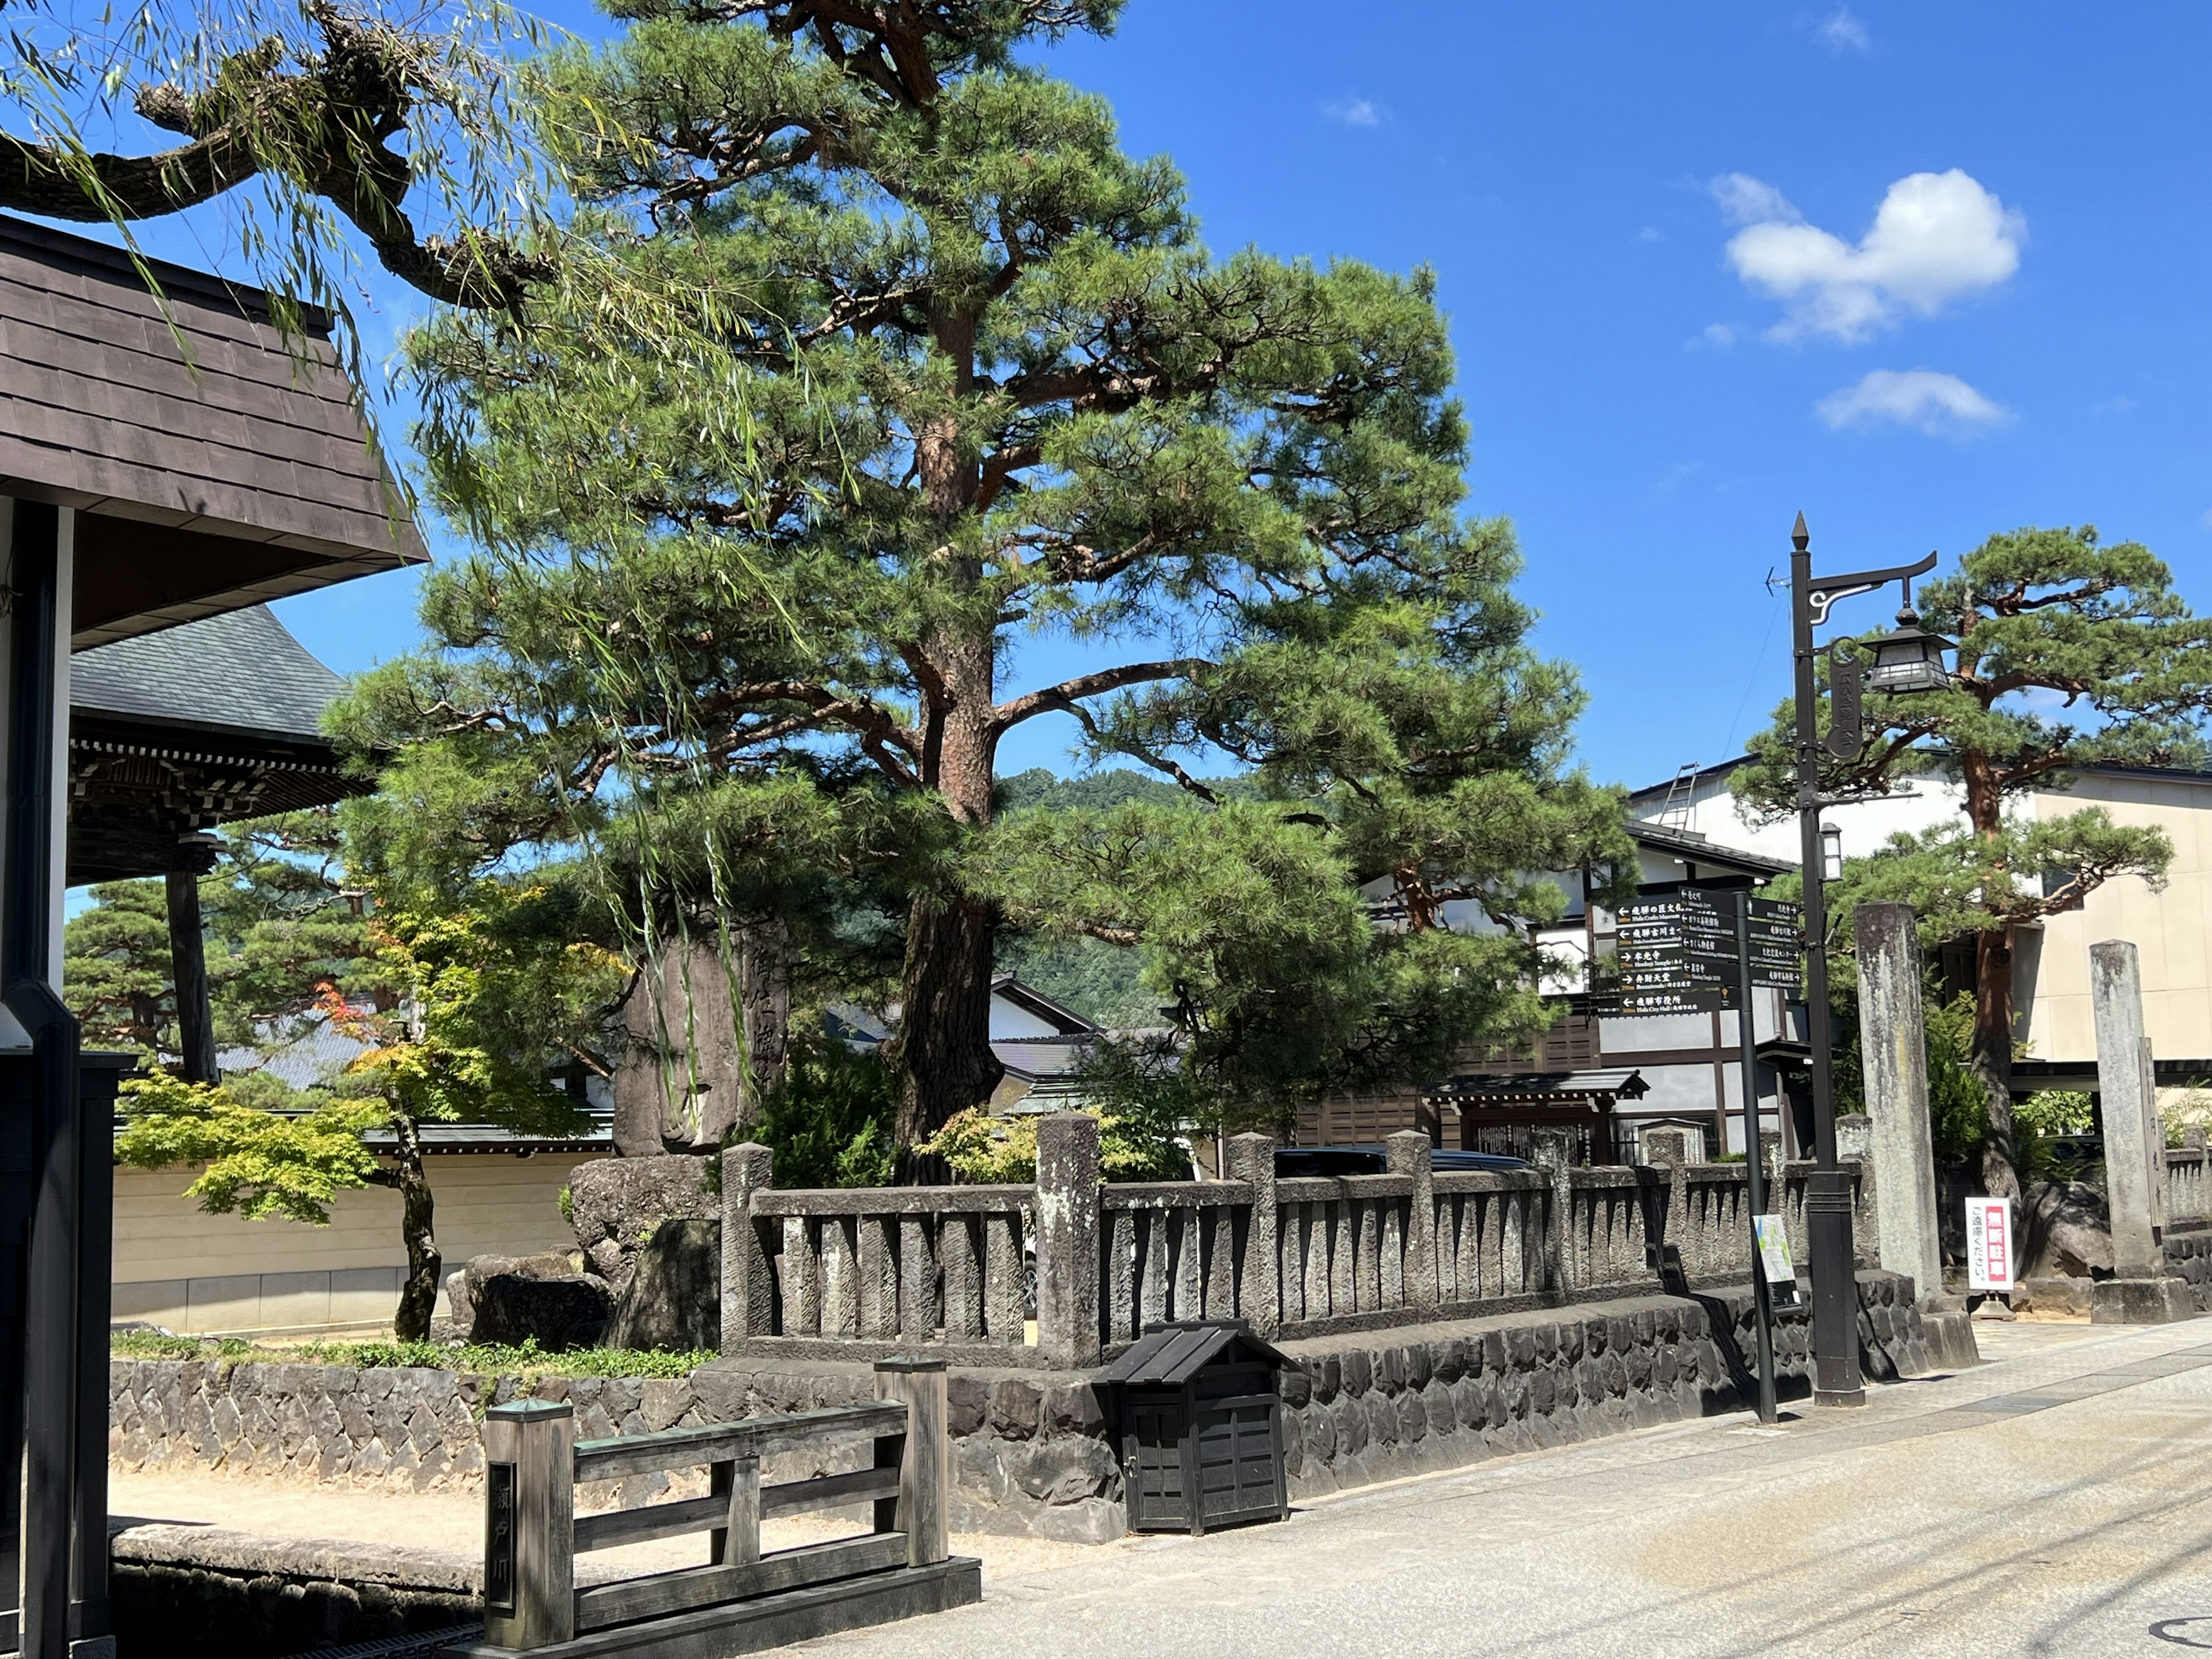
column 1294, row 1160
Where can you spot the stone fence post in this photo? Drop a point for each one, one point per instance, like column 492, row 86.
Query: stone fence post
column 748, row 1275
column 1552, row 1151
column 1067, row 1240
column 1669, row 1149
column 1407, row 1154
column 2140, row 1292
column 1895, row 1046
column 1260, row 1290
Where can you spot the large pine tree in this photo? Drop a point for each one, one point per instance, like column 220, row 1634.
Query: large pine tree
column 991, row 391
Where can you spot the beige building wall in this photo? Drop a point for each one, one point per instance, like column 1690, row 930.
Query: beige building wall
column 178, row 1267
column 2169, row 927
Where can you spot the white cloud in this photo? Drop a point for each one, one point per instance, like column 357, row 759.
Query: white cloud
column 1354, row 112
column 1936, row 236
column 1719, row 337
column 1841, row 31
column 1650, row 234
column 1921, row 397
column 1749, row 200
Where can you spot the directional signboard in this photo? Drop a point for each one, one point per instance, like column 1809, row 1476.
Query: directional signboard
column 1677, row 954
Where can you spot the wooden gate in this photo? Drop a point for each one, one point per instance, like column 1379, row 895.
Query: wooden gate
column 741, row 1601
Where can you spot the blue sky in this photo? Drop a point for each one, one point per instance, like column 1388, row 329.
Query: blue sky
column 1924, row 272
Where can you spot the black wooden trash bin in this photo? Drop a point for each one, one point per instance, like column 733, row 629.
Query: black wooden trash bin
column 1201, row 1428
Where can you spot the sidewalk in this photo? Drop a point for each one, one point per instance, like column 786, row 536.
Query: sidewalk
column 2058, row 1502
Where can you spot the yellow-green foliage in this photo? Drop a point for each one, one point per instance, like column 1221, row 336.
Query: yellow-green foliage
column 259, row 1163
column 1003, row 1150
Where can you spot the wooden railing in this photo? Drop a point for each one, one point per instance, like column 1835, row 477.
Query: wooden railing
column 1295, row 1256
column 533, row 1464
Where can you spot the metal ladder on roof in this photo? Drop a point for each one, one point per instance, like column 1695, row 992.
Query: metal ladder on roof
column 1675, row 812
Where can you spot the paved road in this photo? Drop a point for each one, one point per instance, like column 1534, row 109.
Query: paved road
column 2059, row 1503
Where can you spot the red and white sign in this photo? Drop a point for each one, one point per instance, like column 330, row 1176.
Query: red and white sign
column 1990, row 1263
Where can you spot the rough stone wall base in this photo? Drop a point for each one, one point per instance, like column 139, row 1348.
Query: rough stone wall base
column 2141, row 1302
column 207, row 1593
column 1395, row 1403
column 2189, row 1256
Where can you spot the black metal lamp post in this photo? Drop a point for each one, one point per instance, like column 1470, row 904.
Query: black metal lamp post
column 1907, row 660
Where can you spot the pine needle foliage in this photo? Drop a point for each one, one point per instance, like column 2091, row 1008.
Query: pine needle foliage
column 980, row 388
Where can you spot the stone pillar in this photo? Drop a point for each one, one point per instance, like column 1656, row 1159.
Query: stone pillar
column 1407, row 1152
column 1894, row 1045
column 1067, row 1239
column 1552, row 1151
column 748, row 1275
column 1669, row 1149
column 1260, row 1288
column 2140, row 1292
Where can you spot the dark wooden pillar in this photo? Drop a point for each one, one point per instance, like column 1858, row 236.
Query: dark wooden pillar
column 188, row 966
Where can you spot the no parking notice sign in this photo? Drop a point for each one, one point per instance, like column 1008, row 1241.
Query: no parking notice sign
column 1989, row 1262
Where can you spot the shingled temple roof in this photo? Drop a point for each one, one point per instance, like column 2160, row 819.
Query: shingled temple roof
column 211, row 468
column 242, row 670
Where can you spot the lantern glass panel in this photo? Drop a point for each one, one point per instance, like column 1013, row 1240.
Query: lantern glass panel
column 1907, row 661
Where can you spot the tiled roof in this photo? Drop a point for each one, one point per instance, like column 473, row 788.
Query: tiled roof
column 242, row 670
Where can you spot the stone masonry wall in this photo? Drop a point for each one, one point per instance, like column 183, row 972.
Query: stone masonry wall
column 2189, row 1253
column 209, row 1593
column 1397, row 1403
column 1032, row 1449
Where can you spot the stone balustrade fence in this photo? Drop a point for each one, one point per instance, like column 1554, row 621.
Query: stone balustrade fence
column 1067, row 1271
column 2186, row 1198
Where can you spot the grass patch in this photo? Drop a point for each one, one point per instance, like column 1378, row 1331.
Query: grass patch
column 488, row 1359
column 152, row 1344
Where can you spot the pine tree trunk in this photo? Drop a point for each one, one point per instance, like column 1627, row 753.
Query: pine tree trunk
column 418, row 1291
column 1993, row 1059
column 942, row 1054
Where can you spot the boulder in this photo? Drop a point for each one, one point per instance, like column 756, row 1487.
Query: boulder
column 673, row 1297
column 616, row 1204
column 567, row 1312
column 464, row 1286
column 2066, row 1232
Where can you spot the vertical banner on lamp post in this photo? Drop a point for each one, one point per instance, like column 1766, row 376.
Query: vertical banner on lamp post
column 1990, row 1262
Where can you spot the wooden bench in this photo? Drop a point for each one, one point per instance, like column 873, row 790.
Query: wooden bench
column 743, row 1600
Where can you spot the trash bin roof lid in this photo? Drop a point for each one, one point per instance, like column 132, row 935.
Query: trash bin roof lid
column 1167, row 1355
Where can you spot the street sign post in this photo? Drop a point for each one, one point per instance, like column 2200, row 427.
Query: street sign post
column 1700, row 950
column 1679, row 953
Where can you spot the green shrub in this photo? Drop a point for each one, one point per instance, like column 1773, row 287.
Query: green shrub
column 831, row 1124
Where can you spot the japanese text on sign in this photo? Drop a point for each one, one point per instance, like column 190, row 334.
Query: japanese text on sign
column 1989, row 1244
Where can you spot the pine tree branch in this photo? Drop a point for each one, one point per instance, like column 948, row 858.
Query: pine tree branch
column 1063, row 697
column 325, row 129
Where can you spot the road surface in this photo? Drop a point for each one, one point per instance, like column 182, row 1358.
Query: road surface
column 2058, row 1502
